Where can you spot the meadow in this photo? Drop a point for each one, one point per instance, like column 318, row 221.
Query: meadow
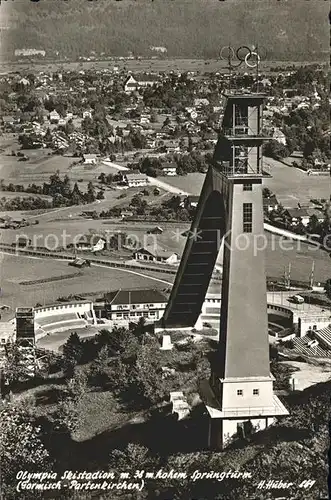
column 94, row 280
column 290, row 185
column 139, row 65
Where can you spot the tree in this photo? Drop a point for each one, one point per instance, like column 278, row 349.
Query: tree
column 139, row 329
column 15, row 365
column 100, row 370
column 134, row 457
column 266, row 192
column 166, row 122
column 21, row 446
column 274, row 149
column 102, row 178
column 314, row 227
column 139, row 203
column 68, row 413
column 69, row 127
column 73, row 349
column 66, row 187
column 153, row 118
column 76, row 195
column 90, row 195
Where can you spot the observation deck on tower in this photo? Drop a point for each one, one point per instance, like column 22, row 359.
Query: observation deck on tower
column 238, row 153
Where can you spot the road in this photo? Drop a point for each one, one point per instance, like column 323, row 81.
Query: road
column 152, row 180
column 280, row 299
column 109, row 163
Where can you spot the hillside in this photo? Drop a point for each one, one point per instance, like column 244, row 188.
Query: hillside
column 290, row 30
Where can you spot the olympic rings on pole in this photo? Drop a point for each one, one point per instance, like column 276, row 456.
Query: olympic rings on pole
column 250, row 57
column 257, row 60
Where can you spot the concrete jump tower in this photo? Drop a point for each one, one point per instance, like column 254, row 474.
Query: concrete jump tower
column 239, row 396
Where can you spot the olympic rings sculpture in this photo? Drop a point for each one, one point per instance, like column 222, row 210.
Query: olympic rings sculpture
column 242, row 55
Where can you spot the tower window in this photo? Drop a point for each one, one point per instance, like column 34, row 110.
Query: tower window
column 247, row 187
column 256, row 392
column 240, row 392
column 247, row 217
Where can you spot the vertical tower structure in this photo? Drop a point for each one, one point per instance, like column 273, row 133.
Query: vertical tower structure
column 239, row 396
column 25, row 338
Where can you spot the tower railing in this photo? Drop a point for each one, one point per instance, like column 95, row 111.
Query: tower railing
column 234, row 170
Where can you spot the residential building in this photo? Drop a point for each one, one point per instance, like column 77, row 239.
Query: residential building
column 126, row 213
column 8, row 120
column 91, row 243
column 54, row 116
column 190, row 202
column 29, row 52
column 134, row 83
column 23, row 241
column 24, row 82
column 90, row 159
column 270, row 204
column 153, row 253
column 296, row 214
column 131, row 305
column 169, row 169
column 147, row 80
column 130, row 85
column 201, row 102
column 317, row 213
column 279, row 136
column 87, row 113
column 7, row 336
column 136, row 180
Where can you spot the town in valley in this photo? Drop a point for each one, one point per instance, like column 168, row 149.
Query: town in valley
column 165, row 275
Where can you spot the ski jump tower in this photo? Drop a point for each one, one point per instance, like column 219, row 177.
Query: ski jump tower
column 239, row 395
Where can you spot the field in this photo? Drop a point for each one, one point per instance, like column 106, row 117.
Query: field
column 10, row 195
column 293, row 186
column 154, row 65
column 37, row 168
column 290, row 185
column 15, row 269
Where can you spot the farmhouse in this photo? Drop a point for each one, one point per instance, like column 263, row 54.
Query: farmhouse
column 316, row 213
column 54, row 116
column 136, row 180
column 91, row 243
column 279, row 136
column 154, row 253
column 169, row 169
column 190, row 202
column 295, row 215
column 90, row 159
column 87, row 113
column 270, row 203
column 130, row 84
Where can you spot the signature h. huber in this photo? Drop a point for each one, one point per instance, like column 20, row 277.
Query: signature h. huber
column 272, row 484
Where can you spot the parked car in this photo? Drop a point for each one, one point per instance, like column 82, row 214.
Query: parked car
column 296, row 299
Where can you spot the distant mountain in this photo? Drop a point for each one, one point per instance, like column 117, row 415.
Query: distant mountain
column 289, row 29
